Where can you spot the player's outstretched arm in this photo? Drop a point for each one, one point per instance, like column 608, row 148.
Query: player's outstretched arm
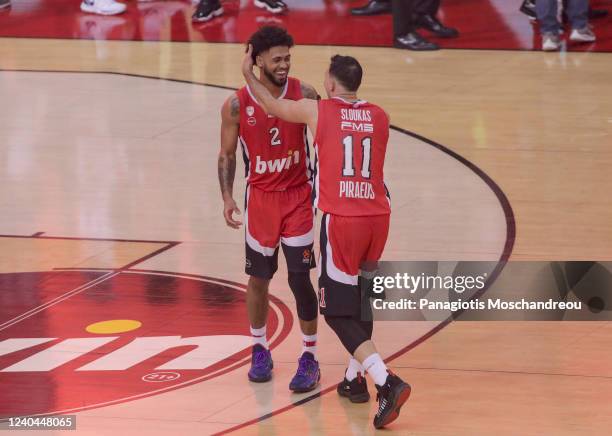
column 301, row 111
column 230, row 121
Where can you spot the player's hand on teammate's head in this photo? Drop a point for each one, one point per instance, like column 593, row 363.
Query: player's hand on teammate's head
column 229, row 207
column 247, row 62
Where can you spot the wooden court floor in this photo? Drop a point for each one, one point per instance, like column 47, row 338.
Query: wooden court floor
column 119, row 173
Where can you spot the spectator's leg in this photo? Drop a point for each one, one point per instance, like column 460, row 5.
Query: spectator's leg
column 578, row 13
column 426, row 17
column 403, row 17
column 430, row 7
column 547, row 16
column 404, row 27
column 549, row 24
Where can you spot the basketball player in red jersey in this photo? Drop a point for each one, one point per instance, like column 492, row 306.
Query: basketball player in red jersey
column 350, row 142
column 278, row 207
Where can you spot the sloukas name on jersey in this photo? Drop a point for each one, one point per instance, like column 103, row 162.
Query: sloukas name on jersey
column 350, row 146
column 275, row 152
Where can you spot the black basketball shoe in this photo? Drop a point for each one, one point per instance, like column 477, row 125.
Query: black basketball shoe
column 528, row 8
column 207, row 10
column 355, row 390
column 391, row 396
column 273, row 6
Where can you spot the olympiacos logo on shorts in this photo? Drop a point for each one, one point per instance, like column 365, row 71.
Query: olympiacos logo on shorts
column 134, row 335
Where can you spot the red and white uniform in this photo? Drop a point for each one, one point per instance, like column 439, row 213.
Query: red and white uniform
column 275, row 151
column 278, row 197
column 350, row 146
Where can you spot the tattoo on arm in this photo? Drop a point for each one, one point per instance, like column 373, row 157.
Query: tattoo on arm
column 226, row 165
column 309, row 92
column 235, row 107
column 227, row 171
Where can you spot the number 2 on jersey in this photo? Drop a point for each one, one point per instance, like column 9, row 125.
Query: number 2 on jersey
column 274, row 140
column 349, row 164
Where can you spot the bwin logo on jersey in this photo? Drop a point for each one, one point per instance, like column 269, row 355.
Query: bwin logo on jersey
column 277, row 165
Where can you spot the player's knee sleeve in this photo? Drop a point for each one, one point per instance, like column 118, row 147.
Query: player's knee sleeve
column 348, row 330
column 305, row 295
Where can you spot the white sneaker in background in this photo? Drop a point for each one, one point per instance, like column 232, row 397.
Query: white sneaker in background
column 583, row 35
column 102, row 7
column 550, row 42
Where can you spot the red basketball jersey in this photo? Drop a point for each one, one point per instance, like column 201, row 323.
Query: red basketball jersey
column 350, row 146
column 275, row 152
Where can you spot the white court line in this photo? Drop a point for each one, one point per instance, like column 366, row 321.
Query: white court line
column 57, row 300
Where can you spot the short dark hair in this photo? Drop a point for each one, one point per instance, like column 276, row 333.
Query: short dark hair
column 347, row 71
column 267, row 37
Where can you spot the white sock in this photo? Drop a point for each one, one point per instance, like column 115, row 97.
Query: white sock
column 259, row 336
column 309, row 343
column 354, row 367
column 377, row 369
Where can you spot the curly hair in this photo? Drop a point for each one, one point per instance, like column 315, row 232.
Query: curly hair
column 267, row 37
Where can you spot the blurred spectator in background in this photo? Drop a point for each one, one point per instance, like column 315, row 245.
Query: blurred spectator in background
column 5, row 4
column 550, row 25
column 209, row 9
column 528, row 8
column 373, row 7
column 408, row 15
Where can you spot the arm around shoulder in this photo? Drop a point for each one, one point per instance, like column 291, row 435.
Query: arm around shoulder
column 308, row 91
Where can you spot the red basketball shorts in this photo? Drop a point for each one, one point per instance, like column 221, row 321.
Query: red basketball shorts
column 273, row 217
column 348, row 244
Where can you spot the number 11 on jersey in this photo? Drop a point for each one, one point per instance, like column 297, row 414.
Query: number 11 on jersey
column 348, row 169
